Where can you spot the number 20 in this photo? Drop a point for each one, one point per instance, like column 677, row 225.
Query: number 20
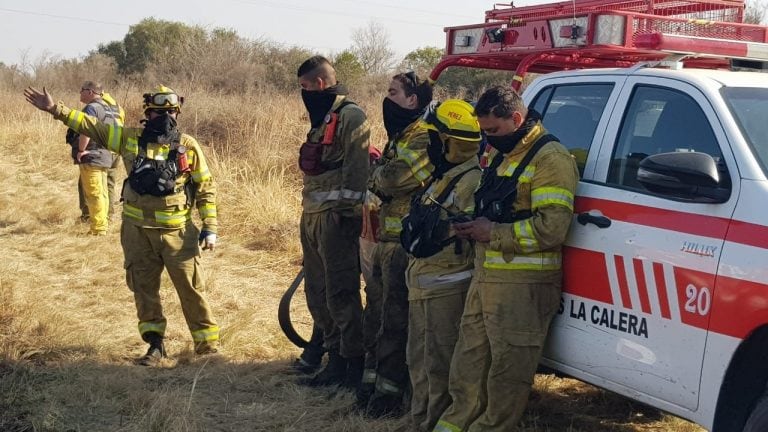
column 697, row 300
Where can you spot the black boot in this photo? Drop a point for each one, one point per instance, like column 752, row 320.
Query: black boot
column 310, row 359
column 156, row 351
column 354, row 375
column 383, row 405
column 366, row 389
column 332, row 374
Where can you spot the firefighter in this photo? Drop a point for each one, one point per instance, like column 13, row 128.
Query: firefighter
column 334, row 160
column 96, row 163
column 403, row 170
column 168, row 176
column 523, row 208
column 438, row 283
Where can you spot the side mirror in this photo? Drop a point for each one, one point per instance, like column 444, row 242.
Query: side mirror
column 687, row 175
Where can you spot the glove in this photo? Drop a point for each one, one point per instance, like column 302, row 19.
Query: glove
column 207, row 240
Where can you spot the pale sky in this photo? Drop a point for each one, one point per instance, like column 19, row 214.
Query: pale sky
column 33, row 28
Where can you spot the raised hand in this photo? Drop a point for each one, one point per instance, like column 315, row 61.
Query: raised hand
column 42, row 101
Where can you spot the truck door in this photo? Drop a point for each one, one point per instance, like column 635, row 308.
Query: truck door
column 640, row 266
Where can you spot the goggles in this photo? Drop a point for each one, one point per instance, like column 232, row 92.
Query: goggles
column 163, row 99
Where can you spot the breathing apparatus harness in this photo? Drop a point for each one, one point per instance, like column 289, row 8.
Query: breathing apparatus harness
column 496, row 195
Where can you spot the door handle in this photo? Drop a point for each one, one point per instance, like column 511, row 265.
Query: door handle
column 599, row 221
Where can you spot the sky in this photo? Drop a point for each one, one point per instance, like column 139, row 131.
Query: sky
column 34, row 29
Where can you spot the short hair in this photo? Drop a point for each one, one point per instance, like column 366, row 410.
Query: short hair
column 501, row 102
column 94, row 87
column 413, row 85
column 315, row 66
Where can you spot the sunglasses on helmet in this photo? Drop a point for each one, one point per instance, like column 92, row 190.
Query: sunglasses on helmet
column 163, row 99
column 412, row 78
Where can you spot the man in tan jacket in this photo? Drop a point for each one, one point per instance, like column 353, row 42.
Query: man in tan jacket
column 168, row 176
column 523, row 208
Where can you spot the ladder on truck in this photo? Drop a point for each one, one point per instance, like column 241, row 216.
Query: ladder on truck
column 582, row 34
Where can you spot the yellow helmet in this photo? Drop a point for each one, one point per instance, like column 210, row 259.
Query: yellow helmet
column 162, row 97
column 453, row 117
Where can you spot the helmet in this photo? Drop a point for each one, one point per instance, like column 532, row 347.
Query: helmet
column 162, row 97
column 455, row 118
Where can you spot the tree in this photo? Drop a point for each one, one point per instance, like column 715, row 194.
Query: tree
column 154, row 41
column 754, row 12
column 349, row 70
column 371, row 47
column 422, row 60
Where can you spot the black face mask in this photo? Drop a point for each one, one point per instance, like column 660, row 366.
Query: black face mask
column 161, row 129
column 319, row 102
column 436, row 153
column 397, row 118
column 506, row 143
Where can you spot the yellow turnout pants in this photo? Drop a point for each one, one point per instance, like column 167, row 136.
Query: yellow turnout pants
column 149, row 250
column 94, row 182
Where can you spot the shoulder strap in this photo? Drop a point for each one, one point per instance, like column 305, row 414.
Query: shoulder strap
column 343, row 103
column 444, row 194
column 332, row 121
column 529, row 156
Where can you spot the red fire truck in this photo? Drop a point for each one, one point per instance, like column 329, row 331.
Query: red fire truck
column 666, row 267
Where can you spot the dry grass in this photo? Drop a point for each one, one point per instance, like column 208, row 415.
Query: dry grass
column 67, row 321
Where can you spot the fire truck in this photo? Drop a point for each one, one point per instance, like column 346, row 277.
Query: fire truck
column 665, row 297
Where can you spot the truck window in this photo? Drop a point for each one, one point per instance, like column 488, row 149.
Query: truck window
column 571, row 113
column 659, row 120
column 749, row 106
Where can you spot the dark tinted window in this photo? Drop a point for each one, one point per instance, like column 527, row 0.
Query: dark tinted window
column 571, row 113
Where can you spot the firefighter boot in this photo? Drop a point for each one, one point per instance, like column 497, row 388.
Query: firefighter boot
column 384, row 405
column 354, row 375
column 366, row 389
column 310, row 359
column 333, row 373
column 156, row 351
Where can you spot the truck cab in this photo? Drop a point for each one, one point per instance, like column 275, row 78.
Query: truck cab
column 665, row 296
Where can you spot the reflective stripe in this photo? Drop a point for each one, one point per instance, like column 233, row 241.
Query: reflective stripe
column 207, row 211
column 115, row 136
column 133, row 212
column 426, row 281
column 201, row 175
column 335, row 195
column 369, row 376
column 535, row 261
column 393, row 225
column 444, row 426
column 524, row 235
column 419, row 163
column 132, row 145
column 551, row 195
column 158, row 328
column 526, row 175
column 74, row 118
column 386, row 386
column 160, row 153
column 171, row 217
column 206, row 335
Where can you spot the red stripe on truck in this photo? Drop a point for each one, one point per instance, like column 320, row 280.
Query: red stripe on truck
column 740, row 306
column 691, row 223
column 592, row 282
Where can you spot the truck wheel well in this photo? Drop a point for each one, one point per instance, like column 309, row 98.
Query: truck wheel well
column 744, row 383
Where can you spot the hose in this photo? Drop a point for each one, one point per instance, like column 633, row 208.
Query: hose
column 284, row 313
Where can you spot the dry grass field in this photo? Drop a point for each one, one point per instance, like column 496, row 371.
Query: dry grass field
column 68, row 337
